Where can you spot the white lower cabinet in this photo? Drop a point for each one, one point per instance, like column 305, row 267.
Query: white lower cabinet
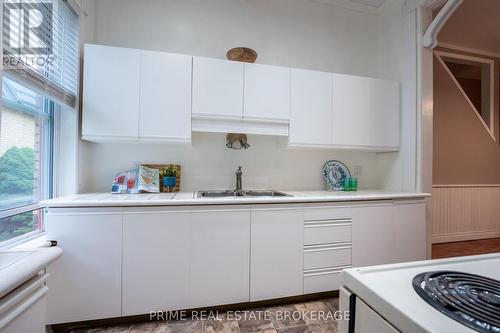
column 388, row 233
column 85, row 282
column 321, row 280
column 276, row 266
column 220, row 256
column 130, row 261
column 155, row 260
column 327, row 246
column 410, row 225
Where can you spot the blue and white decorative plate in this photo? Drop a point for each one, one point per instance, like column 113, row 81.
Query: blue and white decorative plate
column 334, row 173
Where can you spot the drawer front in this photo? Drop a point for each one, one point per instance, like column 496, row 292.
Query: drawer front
column 317, row 281
column 327, row 213
column 326, row 256
column 327, row 232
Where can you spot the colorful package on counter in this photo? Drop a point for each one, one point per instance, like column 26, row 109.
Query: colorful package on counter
column 147, row 180
column 137, row 180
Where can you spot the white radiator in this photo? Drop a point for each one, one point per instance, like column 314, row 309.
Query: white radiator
column 465, row 212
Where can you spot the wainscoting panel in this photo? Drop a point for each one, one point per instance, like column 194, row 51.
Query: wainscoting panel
column 465, row 212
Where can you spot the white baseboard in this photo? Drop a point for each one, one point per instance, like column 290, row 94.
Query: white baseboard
column 465, row 236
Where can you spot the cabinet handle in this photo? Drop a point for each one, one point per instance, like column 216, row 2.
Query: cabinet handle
column 327, row 247
column 324, row 271
column 331, row 223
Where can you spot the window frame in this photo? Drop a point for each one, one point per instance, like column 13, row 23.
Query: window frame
column 48, row 177
column 51, row 164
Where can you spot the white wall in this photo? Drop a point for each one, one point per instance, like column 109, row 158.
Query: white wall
column 294, row 33
column 397, row 61
column 208, row 164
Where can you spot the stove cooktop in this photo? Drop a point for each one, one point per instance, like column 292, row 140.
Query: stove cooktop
column 470, row 299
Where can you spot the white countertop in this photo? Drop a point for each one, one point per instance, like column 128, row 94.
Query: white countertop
column 190, row 199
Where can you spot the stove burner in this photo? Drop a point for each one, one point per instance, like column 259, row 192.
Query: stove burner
column 473, row 300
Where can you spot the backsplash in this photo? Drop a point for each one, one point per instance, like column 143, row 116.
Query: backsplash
column 209, row 164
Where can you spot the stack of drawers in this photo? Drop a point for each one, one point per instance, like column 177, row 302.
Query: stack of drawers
column 327, row 247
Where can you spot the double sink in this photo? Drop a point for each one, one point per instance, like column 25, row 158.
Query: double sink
column 240, row 194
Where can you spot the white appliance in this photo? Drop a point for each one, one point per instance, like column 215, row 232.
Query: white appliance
column 23, row 289
column 448, row 295
column 23, row 310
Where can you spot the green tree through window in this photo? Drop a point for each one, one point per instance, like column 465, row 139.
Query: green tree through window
column 16, row 171
column 16, row 181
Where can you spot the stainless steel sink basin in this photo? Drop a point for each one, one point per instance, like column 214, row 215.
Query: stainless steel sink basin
column 266, row 193
column 239, row 194
column 218, row 194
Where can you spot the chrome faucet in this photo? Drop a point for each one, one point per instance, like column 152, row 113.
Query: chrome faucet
column 239, row 173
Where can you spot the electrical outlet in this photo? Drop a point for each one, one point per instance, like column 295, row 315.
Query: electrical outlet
column 357, row 171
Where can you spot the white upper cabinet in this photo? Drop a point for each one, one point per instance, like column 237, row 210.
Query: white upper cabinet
column 131, row 95
column 310, row 108
column 365, row 112
column 217, row 88
column 266, row 93
column 165, row 103
column 111, row 93
column 136, row 95
column 351, row 110
column 384, row 122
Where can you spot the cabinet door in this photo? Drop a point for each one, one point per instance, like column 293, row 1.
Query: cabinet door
column 385, row 102
column 373, row 238
column 85, row 283
column 220, row 257
column 165, row 109
column 410, row 222
column 351, row 110
column 155, row 260
column 276, row 253
column 388, row 233
column 111, row 93
column 267, row 93
column 310, row 108
column 217, row 88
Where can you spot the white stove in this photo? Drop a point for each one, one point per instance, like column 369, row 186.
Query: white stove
column 448, row 295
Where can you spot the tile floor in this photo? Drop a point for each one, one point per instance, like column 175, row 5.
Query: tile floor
column 306, row 317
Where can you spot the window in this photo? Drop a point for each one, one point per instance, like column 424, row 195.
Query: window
column 40, row 57
column 26, row 131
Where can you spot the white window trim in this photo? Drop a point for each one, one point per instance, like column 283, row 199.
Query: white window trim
column 76, row 5
column 20, row 240
column 47, row 168
column 440, row 54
